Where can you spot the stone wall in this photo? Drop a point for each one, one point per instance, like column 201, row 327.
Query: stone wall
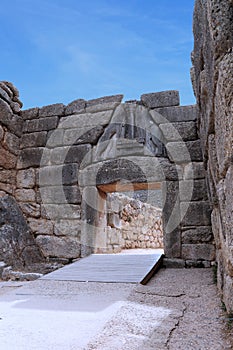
column 132, row 224
column 213, row 85
column 17, row 244
column 62, row 155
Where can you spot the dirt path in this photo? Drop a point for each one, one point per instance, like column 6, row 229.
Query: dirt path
column 177, row 309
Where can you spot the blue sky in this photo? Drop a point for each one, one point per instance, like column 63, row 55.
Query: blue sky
column 61, row 50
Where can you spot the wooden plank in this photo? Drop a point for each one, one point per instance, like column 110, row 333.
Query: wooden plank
column 118, row 268
column 121, row 187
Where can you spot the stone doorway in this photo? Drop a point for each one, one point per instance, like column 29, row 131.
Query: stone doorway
column 127, row 219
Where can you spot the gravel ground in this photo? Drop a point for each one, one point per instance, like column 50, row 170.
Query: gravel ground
column 177, row 309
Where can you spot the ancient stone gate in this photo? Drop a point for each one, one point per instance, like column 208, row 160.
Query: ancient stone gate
column 59, row 162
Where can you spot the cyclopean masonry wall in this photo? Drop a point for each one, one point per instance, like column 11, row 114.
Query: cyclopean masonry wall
column 132, row 224
column 69, row 155
column 17, row 244
column 213, row 85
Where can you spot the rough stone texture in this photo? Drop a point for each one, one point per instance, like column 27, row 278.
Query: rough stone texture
column 77, row 106
column 104, row 100
column 56, row 109
column 64, row 153
column 41, row 226
column 212, row 77
column 186, row 131
column 26, row 178
column 17, row 244
column 161, row 99
column 52, row 246
column 35, row 139
column 12, row 142
column 42, row 124
column 30, row 157
column 132, row 224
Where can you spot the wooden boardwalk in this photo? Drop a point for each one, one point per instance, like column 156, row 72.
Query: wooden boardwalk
column 110, row 268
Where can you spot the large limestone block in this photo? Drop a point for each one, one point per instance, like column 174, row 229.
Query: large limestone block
column 58, row 175
column 41, row 226
column 26, row 178
column 175, row 114
column 35, row 139
column 17, row 245
column 198, row 252
column 161, row 99
column 196, row 213
column 42, row 124
column 186, row 131
column 7, row 159
column 56, row 109
column 60, row 194
column 223, row 113
column 65, row 247
column 195, row 235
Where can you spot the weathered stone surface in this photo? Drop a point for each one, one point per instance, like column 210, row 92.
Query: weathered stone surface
column 76, row 106
column 71, row 154
column 84, row 135
column 5, row 96
column 85, row 120
column 35, row 139
column 103, row 100
column 25, row 195
column 62, row 211
column 202, row 234
column 7, row 159
column 55, row 138
column 171, row 210
column 213, row 80
column 12, row 88
column 102, row 107
column 58, row 175
column 42, row 124
column 6, row 89
column 6, row 188
column 18, row 247
column 174, row 114
column 184, row 152
column 53, row 246
column 197, row 213
column 31, row 113
column 41, row 226
column 172, row 244
column 8, row 176
column 26, row 178
column 1, row 133
column 224, row 107
column 199, row 192
column 15, row 106
column 59, row 195
column 10, row 274
column 198, row 252
column 161, row 99
column 13, row 122
column 31, row 209
column 12, row 142
column 68, row 228
column 186, row 131
column 194, row 170
column 56, row 109
column 174, row 263
column 30, row 157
